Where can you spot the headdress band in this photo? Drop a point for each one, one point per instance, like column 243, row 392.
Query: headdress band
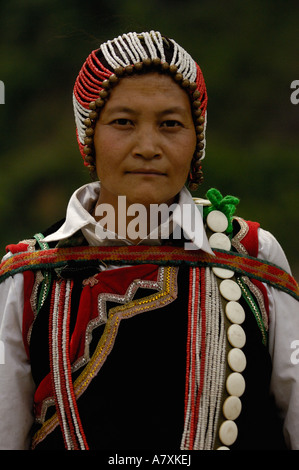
column 123, row 56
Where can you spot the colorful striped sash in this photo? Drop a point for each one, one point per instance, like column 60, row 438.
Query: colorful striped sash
column 162, row 255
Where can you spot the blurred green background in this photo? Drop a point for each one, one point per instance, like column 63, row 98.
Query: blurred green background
column 248, row 52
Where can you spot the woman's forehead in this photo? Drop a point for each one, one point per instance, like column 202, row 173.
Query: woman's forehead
column 155, row 86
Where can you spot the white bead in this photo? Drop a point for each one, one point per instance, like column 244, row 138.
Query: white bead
column 217, row 221
column 220, row 241
column 223, row 448
column 236, row 336
column 201, row 202
column 223, row 273
column 228, row 432
column 236, row 360
column 235, row 312
column 230, row 290
column 235, row 384
column 232, row 407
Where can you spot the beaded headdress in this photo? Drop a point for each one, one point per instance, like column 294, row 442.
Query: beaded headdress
column 123, row 56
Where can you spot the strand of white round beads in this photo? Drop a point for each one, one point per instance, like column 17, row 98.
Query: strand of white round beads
column 159, row 41
column 79, row 111
column 184, row 62
column 185, row 442
column 206, row 367
column 138, row 45
column 110, row 55
column 150, row 45
column 231, row 293
column 56, row 369
column 65, row 355
column 129, row 48
column 214, row 367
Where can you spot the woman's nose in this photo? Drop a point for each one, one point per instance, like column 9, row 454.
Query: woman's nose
column 147, row 144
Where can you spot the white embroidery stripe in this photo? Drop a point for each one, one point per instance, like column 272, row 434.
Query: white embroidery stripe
column 185, row 443
column 65, row 349
column 55, row 364
column 214, row 370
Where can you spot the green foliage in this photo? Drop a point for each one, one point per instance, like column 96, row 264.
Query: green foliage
column 249, row 55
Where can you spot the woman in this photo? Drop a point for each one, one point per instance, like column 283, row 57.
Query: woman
column 160, row 330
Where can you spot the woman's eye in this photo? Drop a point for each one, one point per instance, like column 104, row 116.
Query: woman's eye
column 122, row 122
column 171, row 123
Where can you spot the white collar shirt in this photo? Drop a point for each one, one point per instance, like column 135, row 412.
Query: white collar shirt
column 186, row 216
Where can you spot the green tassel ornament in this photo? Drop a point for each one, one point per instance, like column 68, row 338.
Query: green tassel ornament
column 226, row 204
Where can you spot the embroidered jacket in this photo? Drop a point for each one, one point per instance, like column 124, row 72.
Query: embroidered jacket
column 149, row 356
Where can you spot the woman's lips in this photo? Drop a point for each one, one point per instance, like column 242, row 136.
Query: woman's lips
column 145, row 171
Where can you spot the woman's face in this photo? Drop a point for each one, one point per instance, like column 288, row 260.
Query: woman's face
column 144, row 141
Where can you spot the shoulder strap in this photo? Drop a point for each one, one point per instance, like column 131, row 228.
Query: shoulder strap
column 141, row 254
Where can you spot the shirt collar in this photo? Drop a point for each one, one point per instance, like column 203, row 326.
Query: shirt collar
column 187, row 216
column 78, row 213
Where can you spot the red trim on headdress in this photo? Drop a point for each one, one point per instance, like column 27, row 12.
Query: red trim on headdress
column 87, row 86
column 201, row 86
column 105, row 72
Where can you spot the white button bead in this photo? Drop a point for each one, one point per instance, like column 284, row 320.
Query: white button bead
column 220, row 241
column 236, row 336
column 235, row 312
column 201, row 201
column 217, row 221
column 228, row 432
column 230, row 290
column 235, row 384
column 223, row 448
column 232, row 407
column 223, row 273
column 236, row 360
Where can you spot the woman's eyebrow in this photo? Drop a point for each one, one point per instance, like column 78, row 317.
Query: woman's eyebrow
column 120, row 109
column 174, row 110
column 160, row 112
